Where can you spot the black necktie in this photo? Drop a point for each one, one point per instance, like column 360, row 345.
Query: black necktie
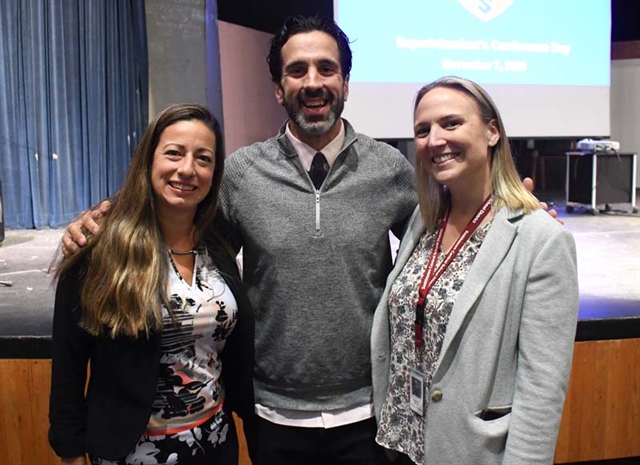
column 319, row 169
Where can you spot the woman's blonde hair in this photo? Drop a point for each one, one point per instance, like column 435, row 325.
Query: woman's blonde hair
column 506, row 184
column 126, row 264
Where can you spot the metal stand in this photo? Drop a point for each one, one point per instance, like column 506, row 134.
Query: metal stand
column 598, row 179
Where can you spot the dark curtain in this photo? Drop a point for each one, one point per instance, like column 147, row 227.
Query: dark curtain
column 73, row 104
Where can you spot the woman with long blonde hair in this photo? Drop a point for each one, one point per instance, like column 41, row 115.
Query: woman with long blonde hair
column 473, row 338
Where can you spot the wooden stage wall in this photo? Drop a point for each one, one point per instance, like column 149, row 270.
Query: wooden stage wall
column 601, row 419
column 24, row 414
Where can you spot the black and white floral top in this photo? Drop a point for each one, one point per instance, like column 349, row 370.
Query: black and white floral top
column 187, row 422
column 189, row 387
column 400, row 428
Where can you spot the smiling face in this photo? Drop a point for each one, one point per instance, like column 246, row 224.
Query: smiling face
column 312, row 88
column 453, row 142
column 182, row 167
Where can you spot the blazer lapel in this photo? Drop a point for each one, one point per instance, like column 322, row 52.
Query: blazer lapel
column 493, row 250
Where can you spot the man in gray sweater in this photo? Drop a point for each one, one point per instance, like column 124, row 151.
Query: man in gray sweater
column 316, row 257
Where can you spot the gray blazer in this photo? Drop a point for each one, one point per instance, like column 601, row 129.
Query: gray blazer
column 508, row 345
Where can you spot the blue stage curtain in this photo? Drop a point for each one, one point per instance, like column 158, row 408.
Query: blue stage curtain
column 73, row 104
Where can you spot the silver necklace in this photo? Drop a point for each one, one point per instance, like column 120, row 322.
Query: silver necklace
column 183, row 252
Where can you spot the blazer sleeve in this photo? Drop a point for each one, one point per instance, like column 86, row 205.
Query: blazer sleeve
column 546, row 338
column 71, row 350
column 238, row 353
column 237, row 358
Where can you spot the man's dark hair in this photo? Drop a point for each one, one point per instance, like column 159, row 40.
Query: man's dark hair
column 299, row 24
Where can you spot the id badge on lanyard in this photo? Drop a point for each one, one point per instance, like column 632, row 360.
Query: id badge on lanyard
column 417, row 391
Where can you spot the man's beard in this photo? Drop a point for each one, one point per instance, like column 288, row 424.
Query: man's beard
column 320, row 127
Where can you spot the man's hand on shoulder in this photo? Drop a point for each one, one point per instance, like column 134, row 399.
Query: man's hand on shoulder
column 85, row 225
column 528, row 184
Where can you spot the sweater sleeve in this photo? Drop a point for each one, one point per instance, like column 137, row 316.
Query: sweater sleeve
column 225, row 222
column 546, row 337
column 71, row 349
column 408, row 199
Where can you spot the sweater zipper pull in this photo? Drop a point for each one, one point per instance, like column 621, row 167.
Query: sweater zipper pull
column 317, row 211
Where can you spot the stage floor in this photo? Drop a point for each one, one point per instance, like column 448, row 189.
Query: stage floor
column 608, row 248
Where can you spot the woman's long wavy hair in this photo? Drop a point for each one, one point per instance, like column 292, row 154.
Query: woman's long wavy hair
column 506, row 184
column 124, row 288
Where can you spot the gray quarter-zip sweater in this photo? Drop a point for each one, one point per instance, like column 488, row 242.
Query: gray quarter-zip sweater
column 315, row 263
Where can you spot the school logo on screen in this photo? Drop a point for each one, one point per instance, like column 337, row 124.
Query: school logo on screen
column 486, row 10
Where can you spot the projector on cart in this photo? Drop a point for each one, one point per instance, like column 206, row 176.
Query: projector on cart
column 590, row 145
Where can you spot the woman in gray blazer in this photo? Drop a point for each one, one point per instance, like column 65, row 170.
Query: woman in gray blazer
column 472, row 345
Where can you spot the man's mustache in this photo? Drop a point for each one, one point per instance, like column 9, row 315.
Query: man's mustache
column 315, row 93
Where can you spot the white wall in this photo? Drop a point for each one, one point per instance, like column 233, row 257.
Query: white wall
column 251, row 112
column 625, row 106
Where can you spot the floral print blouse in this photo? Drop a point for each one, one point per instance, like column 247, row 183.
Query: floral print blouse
column 189, row 388
column 187, row 422
column 400, row 428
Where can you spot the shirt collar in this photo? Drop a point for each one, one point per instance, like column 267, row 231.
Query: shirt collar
column 306, row 152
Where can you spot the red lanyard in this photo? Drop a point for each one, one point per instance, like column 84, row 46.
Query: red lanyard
column 431, row 273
